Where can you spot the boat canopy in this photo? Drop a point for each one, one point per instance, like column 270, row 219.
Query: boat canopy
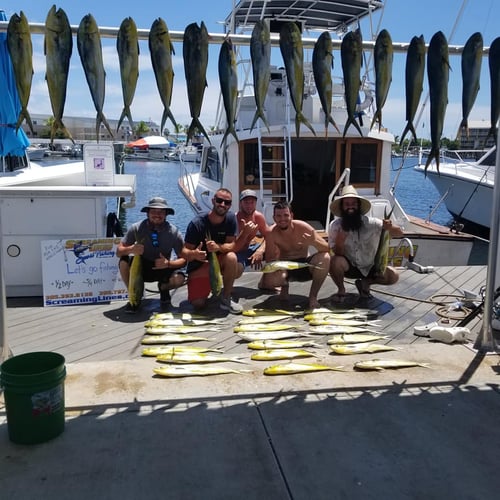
column 151, row 141
column 331, row 15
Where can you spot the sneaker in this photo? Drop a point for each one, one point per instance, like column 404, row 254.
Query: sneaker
column 231, row 306
column 130, row 309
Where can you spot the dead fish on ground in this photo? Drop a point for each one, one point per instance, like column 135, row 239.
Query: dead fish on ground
column 196, row 357
column 58, row 47
column 341, row 316
column 160, row 330
column 328, row 321
column 89, row 45
column 329, row 329
column 181, row 322
column 183, row 316
column 158, row 350
column 270, row 312
column 250, row 320
column 292, row 368
column 194, row 371
column 281, row 344
column 266, row 327
column 20, row 50
column 382, row 364
column 284, row 265
column 171, row 338
column 354, row 338
column 275, row 354
column 361, row 348
column 277, row 335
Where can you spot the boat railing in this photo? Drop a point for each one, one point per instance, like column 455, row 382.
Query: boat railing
column 343, row 180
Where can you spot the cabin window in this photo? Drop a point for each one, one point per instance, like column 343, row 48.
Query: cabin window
column 251, row 164
column 211, row 169
column 363, row 158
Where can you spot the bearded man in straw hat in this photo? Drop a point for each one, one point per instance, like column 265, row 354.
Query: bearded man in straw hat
column 354, row 238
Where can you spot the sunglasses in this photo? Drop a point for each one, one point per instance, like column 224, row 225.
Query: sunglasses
column 154, row 238
column 222, row 201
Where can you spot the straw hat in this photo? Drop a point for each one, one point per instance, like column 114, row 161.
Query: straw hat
column 158, row 202
column 349, row 192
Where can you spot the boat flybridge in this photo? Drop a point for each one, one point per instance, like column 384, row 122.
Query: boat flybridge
column 309, row 168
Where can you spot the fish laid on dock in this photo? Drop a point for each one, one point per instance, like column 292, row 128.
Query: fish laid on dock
column 159, row 349
column 277, row 335
column 354, row 338
column 194, row 371
column 361, row 348
column 197, row 357
column 182, row 322
column 182, row 316
column 382, row 364
column 293, row 368
column 328, row 321
column 251, row 320
column 275, row 354
column 281, row 344
column 341, row 316
column 263, row 327
column 171, row 338
column 270, row 312
column 160, row 330
column 333, row 329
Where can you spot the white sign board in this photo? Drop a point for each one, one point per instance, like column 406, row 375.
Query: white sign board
column 99, row 161
column 81, row 272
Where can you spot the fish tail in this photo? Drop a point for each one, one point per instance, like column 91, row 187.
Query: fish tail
column 409, row 128
column 492, row 132
column 300, row 118
column 332, row 121
column 433, row 155
column 167, row 113
column 128, row 114
column 377, row 117
column 24, row 115
column 102, row 119
column 351, row 120
column 232, row 131
column 463, row 126
column 196, row 124
column 59, row 125
column 259, row 113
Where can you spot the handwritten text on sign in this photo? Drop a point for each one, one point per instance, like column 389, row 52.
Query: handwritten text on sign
column 81, row 272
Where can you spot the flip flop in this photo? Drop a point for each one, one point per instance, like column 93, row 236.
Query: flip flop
column 363, row 294
column 338, row 298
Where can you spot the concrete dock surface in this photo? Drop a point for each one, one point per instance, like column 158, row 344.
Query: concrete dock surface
column 410, row 433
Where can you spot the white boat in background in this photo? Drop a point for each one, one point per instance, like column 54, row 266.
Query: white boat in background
column 465, row 185
column 185, row 153
column 149, row 148
column 308, row 170
column 37, row 152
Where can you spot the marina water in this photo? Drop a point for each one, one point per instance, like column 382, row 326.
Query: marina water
column 416, row 194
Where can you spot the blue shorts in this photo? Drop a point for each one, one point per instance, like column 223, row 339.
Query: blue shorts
column 244, row 255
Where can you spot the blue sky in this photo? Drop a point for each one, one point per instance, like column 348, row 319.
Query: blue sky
column 402, row 18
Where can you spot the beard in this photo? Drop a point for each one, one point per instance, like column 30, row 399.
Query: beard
column 351, row 221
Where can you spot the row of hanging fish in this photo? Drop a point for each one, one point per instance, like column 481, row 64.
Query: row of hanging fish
column 59, row 44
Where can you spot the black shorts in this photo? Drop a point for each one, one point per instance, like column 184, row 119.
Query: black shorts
column 302, row 274
column 355, row 273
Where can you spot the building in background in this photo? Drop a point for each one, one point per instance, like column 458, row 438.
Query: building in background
column 478, row 131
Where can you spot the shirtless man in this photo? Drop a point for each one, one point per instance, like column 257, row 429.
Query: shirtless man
column 290, row 239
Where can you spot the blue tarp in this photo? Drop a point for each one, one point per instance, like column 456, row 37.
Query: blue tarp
column 11, row 142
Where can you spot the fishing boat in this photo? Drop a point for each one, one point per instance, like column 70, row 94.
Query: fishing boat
column 185, row 153
column 37, row 152
column 465, row 185
column 150, row 148
column 309, row 166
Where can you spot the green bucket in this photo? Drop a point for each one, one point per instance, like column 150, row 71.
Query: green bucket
column 33, row 386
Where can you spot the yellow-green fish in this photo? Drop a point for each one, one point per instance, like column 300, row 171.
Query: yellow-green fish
column 160, row 330
column 354, row 338
column 284, row 334
column 196, row 357
column 20, row 50
column 383, row 56
column 194, row 370
column 382, row 255
column 135, row 282
column 360, row 316
column 214, row 271
column 342, row 322
column 291, row 368
column 281, row 344
column 269, row 312
column 328, row 329
column 127, row 46
column 161, row 50
column 171, row 338
column 182, row 316
column 438, row 68
column 284, row 265
column 382, row 364
column 293, row 56
column 88, row 41
column 158, row 350
column 260, row 55
column 360, row 348
column 181, row 322
column 414, row 80
column 274, row 354
column 266, row 327
column 322, row 62
column 58, row 46
column 273, row 318
column 195, row 55
column 228, row 79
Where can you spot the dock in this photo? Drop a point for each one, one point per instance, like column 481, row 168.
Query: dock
column 410, row 433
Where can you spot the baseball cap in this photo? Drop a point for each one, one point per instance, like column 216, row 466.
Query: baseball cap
column 248, row 193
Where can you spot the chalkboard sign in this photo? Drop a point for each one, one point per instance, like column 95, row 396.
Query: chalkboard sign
column 81, row 272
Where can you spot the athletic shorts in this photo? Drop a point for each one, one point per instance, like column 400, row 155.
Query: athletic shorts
column 355, row 273
column 244, row 255
column 302, row 274
column 149, row 274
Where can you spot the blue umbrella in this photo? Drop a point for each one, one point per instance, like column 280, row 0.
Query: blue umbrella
column 11, row 142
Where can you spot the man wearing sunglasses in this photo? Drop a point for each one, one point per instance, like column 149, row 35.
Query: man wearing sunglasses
column 214, row 231
column 154, row 239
